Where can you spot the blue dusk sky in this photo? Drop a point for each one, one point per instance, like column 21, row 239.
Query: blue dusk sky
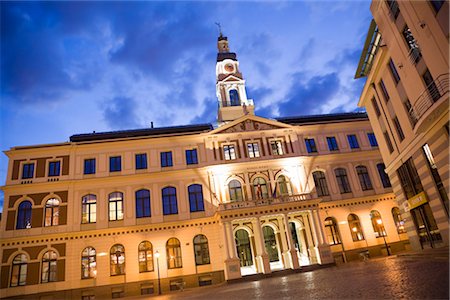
column 76, row 67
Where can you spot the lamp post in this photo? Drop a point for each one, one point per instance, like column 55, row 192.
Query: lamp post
column 379, row 222
column 157, row 266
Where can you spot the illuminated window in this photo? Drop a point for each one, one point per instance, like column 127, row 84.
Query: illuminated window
column 355, row 227
column 19, row 270
column 89, row 209
column 88, row 263
column 260, row 189
column 284, row 186
column 229, row 152
column 49, row 267
column 115, row 206
column 321, row 183
column 195, row 198
column 51, row 212
column 253, row 150
column 235, row 190
column 145, row 254
column 377, row 224
column 398, row 220
column 277, row 147
column 331, row 231
column 169, row 199
column 24, row 215
column 364, row 178
column 173, row 250
column 201, row 250
column 117, row 260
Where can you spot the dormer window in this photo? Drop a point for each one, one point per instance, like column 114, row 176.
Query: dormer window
column 234, row 98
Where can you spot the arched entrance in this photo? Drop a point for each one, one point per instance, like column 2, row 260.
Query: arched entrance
column 244, row 251
column 301, row 243
column 272, row 248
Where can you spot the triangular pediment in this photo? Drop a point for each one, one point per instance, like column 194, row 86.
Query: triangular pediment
column 250, row 123
column 229, row 78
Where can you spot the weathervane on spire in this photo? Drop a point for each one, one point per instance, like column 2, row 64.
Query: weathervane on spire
column 220, row 28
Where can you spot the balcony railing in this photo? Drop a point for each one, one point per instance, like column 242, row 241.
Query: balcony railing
column 433, row 92
column 263, row 202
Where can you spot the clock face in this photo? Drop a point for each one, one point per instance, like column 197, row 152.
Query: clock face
column 229, row 68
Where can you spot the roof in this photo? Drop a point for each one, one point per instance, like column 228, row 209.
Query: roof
column 328, row 118
column 369, row 51
column 161, row 131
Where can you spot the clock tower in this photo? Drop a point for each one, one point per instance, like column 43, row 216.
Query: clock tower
column 230, row 85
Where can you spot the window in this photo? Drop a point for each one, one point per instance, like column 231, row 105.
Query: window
column 229, row 152
column 115, row 164
column 143, row 209
column 321, row 183
column 384, row 91
column 54, row 168
column 49, row 267
column 436, row 177
column 51, row 212
column 24, row 215
column 437, row 4
column 115, row 206
column 235, row 190
column 195, row 198
column 332, row 143
column 201, row 250
column 383, row 176
column 372, row 140
column 277, row 147
column 355, row 227
column 19, row 271
column 166, row 159
column 388, row 142
column 364, row 178
column 400, row 134
column 394, row 10
column 173, row 249
column 342, row 180
column 331, row 231
column 253, row 150
column 398, row 220
column 89, row 209
column 310, row 145
column 409, row 179
column 352, row 141
column 191, row 157
column 117, row 260
column 28, row 171
column 376, row 108
column 234, row 98
column 414, row 50
column 431, row 86
column 169, row 198
column 412, row 116
column 89, row 166
column 141, row 161
column 284, row 186
column 377, row 224
column 88, row 263
column 394, row 71
column 260, row 189
column 145, row 254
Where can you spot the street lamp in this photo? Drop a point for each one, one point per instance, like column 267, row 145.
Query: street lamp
column 379, row 222
column 157, row 266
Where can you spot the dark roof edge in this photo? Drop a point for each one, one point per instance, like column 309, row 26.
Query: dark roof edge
column 172, row 130
column 327, row 118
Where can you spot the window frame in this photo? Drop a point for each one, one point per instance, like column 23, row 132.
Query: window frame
column 115, row 164
column 145, row 257
column 88, row 262
column 384, row 178
column 191, row 156
column 195, row 195
column 118, row 206
column 253, row 149
column 378, row 229
column 201, row 250
column 235, row 191
column 141, row 200
column 332, row 143
column 384, row 91
column 89, row 211
column 364, row 178
column 169, row 200
column 117, row 267
column 372, row 139
column 394, row 71
column 355, row 227
column 342, row 180
column 52, row 171
column 353, row 141
column 320, row 183
column 140, row 160
column 166, row 159
column 50, row 273
column 177, row 256
column 51, row 213
column 27, row 171
column 310, row 144
column 89, row 166
column 26, row 212
column 332, row 231
column 229, row 151
column 21, row 275
column 276, row 147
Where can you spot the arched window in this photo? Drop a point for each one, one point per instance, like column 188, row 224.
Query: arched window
column 284, row 186
column 89, row 209
column 234, row 98
column 342, row 180
column 364, row 178
column 201, row 250
column 19, row 270
column 115, row 206
column 377, row 224
column 51, row 212
column 355, row 227
column 398, row 220
column 321, row 183
column 49, row 267
column 383, row 176
column 173, row 250
column 24, row 215
column 331, row 231
column 196, row 198
column 145, row 253
column 169, row 199
column 88, row 263
column 143, row 204
column 235, row 190
column 117, row 260
column 260, row 189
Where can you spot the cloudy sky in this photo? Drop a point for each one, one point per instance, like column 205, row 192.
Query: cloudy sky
column 75, row 67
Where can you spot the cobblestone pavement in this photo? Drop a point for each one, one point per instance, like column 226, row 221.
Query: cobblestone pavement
column 384, row 278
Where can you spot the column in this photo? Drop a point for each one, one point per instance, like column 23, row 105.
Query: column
column 232, row 263
column 292, row 251
column 318, row 226
column 225, row 241
column 323, row 249
column 262, row 256
column 231, row 242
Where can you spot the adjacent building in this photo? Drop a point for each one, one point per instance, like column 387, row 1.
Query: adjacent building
column 131, row 212
column 406, row 95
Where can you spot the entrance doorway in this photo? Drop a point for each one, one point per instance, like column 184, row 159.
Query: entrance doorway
column 244, row 251
column 426, row 227
column 301, row 243
column 272, row 249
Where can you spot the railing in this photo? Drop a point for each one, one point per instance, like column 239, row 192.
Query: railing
column 263, row 202
column 433, row 92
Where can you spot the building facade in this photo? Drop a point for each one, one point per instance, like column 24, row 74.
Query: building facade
column 405, row 61
column 151, row 210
